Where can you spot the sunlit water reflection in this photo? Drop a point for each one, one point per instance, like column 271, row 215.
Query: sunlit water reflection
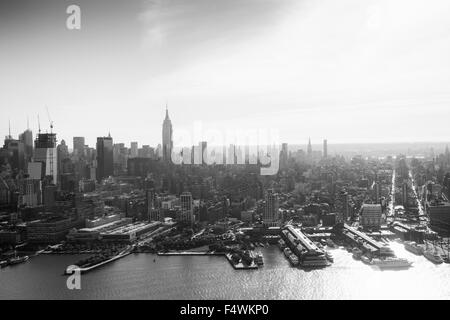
column 139, row 277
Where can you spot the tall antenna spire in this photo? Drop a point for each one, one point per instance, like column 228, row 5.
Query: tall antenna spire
column 167, row 111
column 28, row 123
column 39, row 124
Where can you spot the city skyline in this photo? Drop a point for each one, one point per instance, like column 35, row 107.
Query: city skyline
column 317, row 145
column 305, row 69
column 222, row 154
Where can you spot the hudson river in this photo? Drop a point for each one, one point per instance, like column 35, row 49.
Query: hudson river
column 137, row 276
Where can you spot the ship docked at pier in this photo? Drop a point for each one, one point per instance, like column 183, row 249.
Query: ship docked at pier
column 413, row 247
column 433, row 256
column 307, row 253
column 391, row 262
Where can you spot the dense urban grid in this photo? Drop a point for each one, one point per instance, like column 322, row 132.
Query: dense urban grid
column 111, row 200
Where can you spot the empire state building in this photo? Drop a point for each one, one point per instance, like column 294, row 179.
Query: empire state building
column 167, row 143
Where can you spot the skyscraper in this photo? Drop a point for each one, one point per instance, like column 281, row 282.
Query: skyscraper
column 45, row 152
column 167, row 143
column 30, row 192
column 105, row 163
column 270, row 217
column 27, row 139
column 133, row 150
column 187, row 213
column 78, row 146
column 309, row 150
column 284, row 156
column 63, row 155
column 325, row 148
column 203, row 147
column 16, row 152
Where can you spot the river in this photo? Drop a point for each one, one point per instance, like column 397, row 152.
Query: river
column 137, row 276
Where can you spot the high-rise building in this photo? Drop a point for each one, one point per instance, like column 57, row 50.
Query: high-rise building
column 63, row 156
column 371, row 215
column 284, row 156
column 270, row 218
column 309, row 151
column 325, row 148
column 187, row 210
column 203, row 147
column 345, row 206
column 167, row 143
column 45, row 152
column 16, row 154
column 377, row 192
column 30, row 192
column 49, row 196
column 152, row 211
column 158, row 151
column 105, row 163
column 134, row 150
column 78, row 146
column 145, row 152
column 27, row 139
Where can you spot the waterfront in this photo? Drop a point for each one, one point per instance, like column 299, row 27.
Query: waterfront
column 211, row 277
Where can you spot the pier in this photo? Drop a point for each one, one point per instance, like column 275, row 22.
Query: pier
column 100, row 264
column 361, row 239
column 189, row 253
column 240, row 265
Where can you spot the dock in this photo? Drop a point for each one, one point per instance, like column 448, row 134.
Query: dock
column 100, row 264
column 240, row 266
column 189, row 253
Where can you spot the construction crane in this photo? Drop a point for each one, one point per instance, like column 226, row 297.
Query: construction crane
column 49, row 120
column 51, row 150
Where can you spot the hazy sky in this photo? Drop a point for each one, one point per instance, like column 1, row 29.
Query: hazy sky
column 348, row 70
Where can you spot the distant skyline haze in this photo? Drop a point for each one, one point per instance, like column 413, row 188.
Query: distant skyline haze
column 348, row 71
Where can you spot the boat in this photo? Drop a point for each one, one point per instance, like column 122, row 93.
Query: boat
column 316, row 260
column 247, row 259
column 433, row 256
column 17, row 260
column 287, row 252
column 413, row 247
column 259, row 259
column 281, row 244
column 293, row 259
column 357, row 253
column 329, row 256
column 391, row 263
column 3, row 263
column 330, row 243
column 366, row 259
column 262, row 244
